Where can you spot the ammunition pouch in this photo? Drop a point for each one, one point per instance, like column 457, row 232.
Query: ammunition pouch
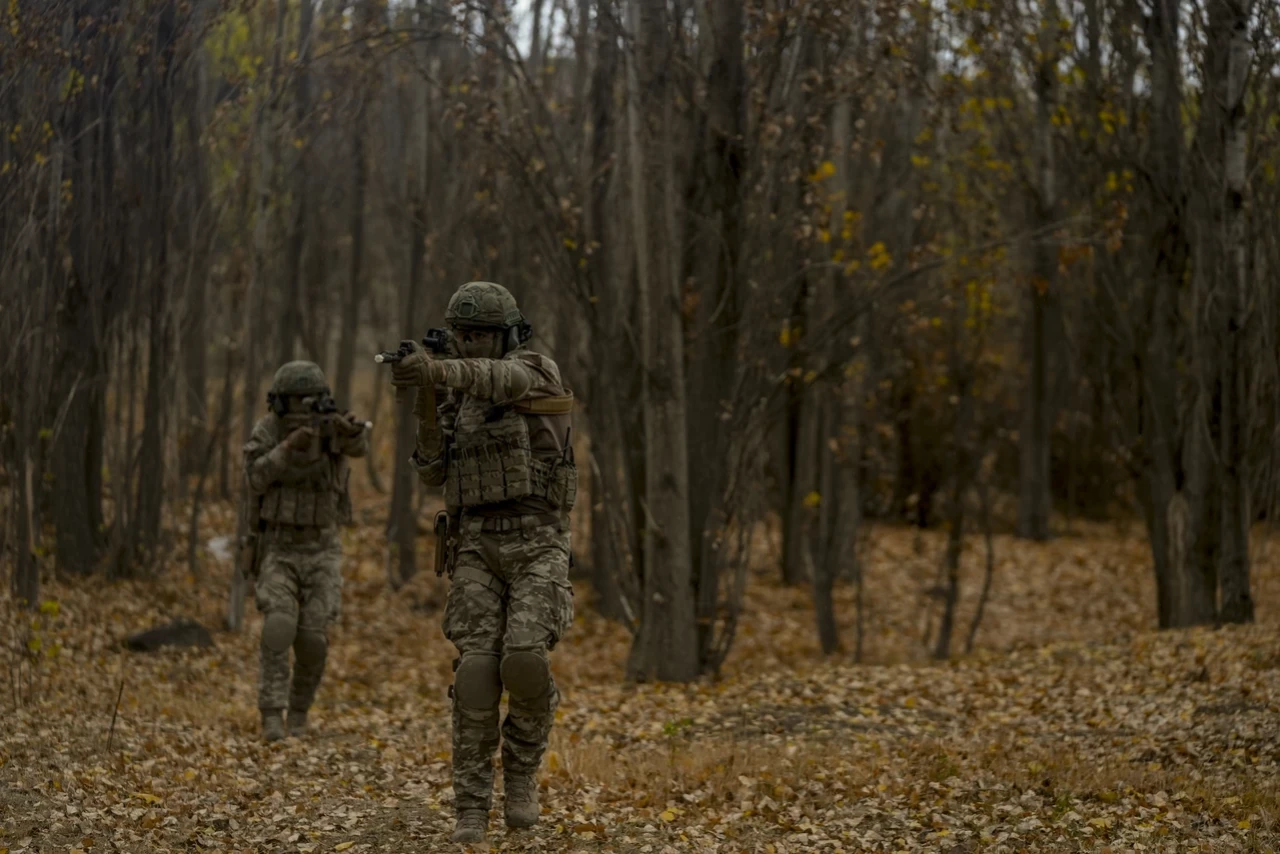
column 556, row 480
column 320, row 500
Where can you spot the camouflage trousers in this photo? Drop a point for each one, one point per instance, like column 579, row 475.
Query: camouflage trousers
column 299, row 592
column 510, row 592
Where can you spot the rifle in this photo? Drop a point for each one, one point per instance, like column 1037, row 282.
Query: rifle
column 321, row 414
column 249, row 556
column 437, row 341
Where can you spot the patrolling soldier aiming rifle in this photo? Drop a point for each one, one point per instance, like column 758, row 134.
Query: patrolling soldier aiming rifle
column 320, row 414
column 498, row 442
column 297, row 472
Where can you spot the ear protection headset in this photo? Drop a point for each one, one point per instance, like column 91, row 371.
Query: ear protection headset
column 516, row 335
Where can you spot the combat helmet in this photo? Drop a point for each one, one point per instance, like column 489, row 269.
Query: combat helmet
column 296, row 379
column 487, row 305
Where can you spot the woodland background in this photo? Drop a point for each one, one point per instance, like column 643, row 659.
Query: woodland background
column 825, row 263
column 899, row 331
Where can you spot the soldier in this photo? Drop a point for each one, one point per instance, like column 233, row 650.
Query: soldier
column 297, row 472
column 499, row 444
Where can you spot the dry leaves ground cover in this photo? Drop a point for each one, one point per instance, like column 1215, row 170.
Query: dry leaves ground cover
column 1072, row 727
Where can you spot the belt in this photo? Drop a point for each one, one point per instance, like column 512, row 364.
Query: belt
column 297, row 533
column 490, row 524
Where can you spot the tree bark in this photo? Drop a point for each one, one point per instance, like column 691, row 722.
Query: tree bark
column 291, row 313
column 150, row 499
column 194, row 336
column 1035, row 499
column 1168, row 477
column 609, row 483
column 535, row 42
column 666, row 646
column 76, row 549
column 1236, row 604
column 255, row 302
column 402, row 523
column 718, row 313
column 355, row 286
column 1034, row 495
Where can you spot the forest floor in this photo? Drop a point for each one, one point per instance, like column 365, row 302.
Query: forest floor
column 1072, row 726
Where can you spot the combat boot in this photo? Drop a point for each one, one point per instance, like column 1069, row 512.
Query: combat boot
column 272, row 725
column 521, row 805
column 471, row 825
column 297, row 723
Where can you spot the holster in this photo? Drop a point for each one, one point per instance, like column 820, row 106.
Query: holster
column 444, row 564
column 250, row 555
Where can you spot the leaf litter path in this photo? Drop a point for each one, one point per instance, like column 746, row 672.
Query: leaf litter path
column 1130, row 742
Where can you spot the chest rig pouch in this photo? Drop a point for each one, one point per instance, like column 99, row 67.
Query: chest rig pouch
column 555, row 475
column 490, row 460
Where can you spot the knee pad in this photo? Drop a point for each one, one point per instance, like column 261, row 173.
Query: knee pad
column 311, row 646
column 526, row 673
column 476, row 683
column 279, row 630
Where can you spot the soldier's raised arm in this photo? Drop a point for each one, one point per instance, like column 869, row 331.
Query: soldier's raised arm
column 265, row 459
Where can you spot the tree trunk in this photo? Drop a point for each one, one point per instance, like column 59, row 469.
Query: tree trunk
column 803, row 427
column 1236, row 600
column 955, row 547
column 194, row 336
column 355, row 289
column 255, row 305
column 718, row 314
column 94, row 458
column 76, row 550
column 609, row 482
column 535, row 43
column 291, row 313
column 1035, row 498
column 402, row 523
column 159, row 105
column 1170, row 516
column 804, row 414
column 227, row 401
column 666, row 646
column 26, row 572
column 838, row 509
column 839, row 512
column 146, row 517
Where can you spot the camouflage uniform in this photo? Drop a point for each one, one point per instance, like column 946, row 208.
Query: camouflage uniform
column 500, row 448
column 300, row 498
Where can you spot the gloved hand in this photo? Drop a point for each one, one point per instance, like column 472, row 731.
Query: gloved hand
column 347, row 425
column 300, row 439
column 416, row 369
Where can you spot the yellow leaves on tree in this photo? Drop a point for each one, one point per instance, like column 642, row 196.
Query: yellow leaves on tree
column 878, row 256
column 978, row 301
column 823, row 172
column 789, row 334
